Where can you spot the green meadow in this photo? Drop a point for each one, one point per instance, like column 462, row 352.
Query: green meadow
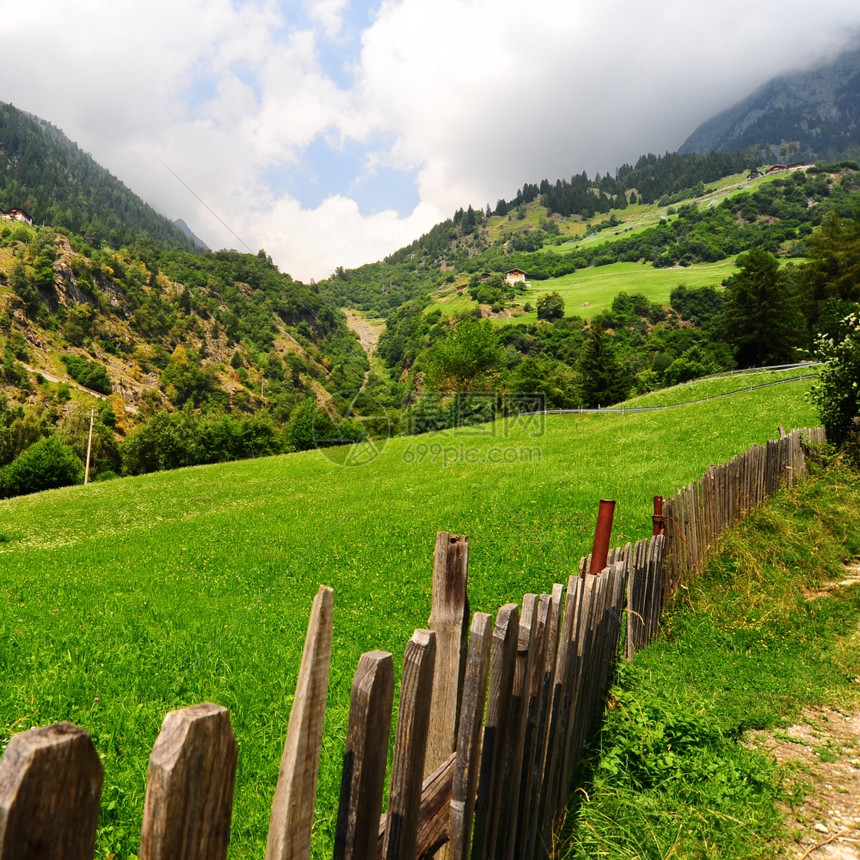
column 126, row 599
column 589, row 291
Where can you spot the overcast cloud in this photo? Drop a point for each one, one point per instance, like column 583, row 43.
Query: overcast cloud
column 332, row 132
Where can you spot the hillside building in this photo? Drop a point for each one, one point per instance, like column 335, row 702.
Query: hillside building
column 16, row 214
column 515, row 276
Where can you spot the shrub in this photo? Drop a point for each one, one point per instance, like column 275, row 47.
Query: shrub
column 43, row 466
column 550, row 306
column 836, row 392
column 90, row 374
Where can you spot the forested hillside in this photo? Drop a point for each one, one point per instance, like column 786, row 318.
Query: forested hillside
column 808, row 115
column 49, row 176
column 772, row 214
column 194, row 357
column 795, row 238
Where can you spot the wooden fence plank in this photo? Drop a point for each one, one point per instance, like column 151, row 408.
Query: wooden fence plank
column 293, row 807
column 579, row 668
column 502, row 660
column 50, row 791
column 528, row 777
column 434, row 814
column 657, row 575
column 189, row 791
column 468, row 742
column 449, row 619
column 407, row 770
column 533, row 704
column 637, row 610
column 365, row 757
column 536, row 811
column 560, row 706
column 518, row 720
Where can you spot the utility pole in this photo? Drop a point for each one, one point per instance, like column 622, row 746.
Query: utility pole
column 89, row 446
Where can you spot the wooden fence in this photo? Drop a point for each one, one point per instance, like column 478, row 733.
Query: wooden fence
column 699, row 513
column 491, row 722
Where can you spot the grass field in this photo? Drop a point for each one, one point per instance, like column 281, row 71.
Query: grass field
column 126, row 599
column 590, row 291
column 717, row 386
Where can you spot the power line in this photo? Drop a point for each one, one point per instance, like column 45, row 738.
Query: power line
column 211, row 210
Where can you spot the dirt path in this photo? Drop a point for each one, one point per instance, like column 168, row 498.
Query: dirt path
column 51, row 378
column 825, row 748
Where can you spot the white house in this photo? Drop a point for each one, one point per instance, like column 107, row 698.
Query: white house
column 515, row 276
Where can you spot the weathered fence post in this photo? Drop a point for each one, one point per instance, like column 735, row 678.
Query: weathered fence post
column 469, row 737
column 365, row 757
column 534, row 735
column 488, row 804
column 293, row 807
column 449, row 619
column 518, row 723
column 50, row 791
column 548, row 719
column 658, row 521
column 189, row 791
column 413, row 716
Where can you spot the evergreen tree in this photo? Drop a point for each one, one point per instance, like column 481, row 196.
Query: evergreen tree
column 832, row 270
column 603, row 379
column 761, row 312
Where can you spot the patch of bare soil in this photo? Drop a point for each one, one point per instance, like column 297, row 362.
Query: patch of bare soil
column 368, row 332
column 824, row 750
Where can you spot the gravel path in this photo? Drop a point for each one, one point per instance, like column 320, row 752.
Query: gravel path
column 825, row 745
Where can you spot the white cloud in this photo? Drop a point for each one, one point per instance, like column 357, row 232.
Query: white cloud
column 336, row 230
column 473, row 96
column 329, row 13
column 486, row 95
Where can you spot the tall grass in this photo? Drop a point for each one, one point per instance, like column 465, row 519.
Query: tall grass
column 122, row 600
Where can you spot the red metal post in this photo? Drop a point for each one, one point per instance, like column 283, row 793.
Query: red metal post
column 658, row 519
column 600, row 550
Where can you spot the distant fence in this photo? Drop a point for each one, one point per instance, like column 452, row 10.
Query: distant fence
column 697, row 514
column 492, row 718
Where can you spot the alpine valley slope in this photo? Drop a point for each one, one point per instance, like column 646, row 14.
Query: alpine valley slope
column 123, row 600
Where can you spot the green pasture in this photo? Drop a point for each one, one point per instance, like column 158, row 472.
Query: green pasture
column 590, row 291
column 126, row 599
column 718, row 386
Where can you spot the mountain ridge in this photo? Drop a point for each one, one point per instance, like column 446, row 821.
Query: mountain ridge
column 58, row 183
column 806, row 115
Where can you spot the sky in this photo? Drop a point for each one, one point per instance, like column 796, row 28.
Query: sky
column 333, row 132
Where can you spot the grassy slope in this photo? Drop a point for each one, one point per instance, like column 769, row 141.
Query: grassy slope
column 123, row 600
column 590, row 291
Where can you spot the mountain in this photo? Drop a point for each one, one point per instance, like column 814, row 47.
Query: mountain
column 57, row 183
column 180, row 223
column 189, row 355
column 804, row 116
